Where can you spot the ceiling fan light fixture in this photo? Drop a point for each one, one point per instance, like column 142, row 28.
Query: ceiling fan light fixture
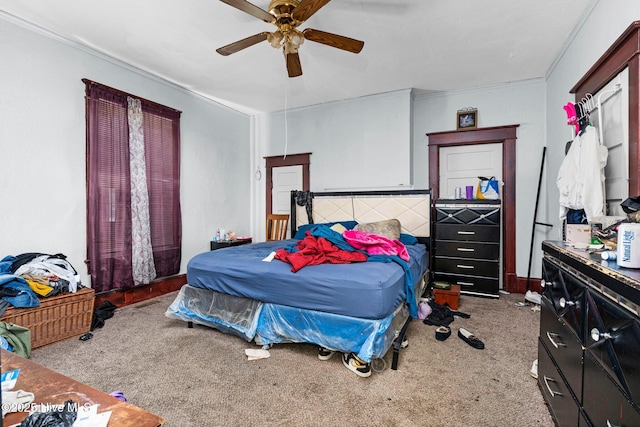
column 289, row 48
column 296, row 38
column 275, row 38
column 293, row 41
column 287, row 15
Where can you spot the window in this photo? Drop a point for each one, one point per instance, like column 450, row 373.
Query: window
column 112, row 230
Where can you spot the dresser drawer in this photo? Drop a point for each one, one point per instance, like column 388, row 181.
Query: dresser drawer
column 563, row 345
column 565, row 296
column 467, row 267
column 617, row 342
column 480, row 215
column 558, row 395
column 477, row 250
column 471, row 285
column 476, row 233
column 603, row 402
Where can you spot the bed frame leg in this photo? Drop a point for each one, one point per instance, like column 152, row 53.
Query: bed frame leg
column 394, row 362
column 398, row 344
column 189, row 324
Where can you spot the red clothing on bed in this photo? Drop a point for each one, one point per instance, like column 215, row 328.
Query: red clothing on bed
column 317, row 250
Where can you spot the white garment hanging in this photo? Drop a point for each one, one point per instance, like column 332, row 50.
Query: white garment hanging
column 581, row 175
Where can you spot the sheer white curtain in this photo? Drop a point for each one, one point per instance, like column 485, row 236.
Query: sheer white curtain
column 144, row 270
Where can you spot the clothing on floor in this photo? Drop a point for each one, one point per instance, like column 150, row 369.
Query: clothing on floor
column 442, row 315
column 18, row 337
column 102, row 313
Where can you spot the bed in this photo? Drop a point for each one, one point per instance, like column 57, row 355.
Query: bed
column 362, row 307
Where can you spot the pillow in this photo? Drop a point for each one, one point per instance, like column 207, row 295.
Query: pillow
column 301, row 232
column 338, row 228
column 389, row 228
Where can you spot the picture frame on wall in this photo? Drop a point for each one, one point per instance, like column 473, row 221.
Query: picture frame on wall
column 467, row 118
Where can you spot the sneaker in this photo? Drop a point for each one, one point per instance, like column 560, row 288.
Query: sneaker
column 325, row 354
column 533, row 297
column 358, row 366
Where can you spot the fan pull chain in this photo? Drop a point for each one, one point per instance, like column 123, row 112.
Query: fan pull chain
column 286, row 125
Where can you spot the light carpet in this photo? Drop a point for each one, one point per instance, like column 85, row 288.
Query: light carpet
column 201, row 377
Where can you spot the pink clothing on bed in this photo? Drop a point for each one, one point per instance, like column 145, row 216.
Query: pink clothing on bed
column 375, row 244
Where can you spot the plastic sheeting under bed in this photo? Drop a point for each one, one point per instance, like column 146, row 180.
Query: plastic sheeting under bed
column 269, row 324
column 227, row 313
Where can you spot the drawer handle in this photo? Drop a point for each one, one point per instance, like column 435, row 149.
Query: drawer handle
column 466, row 284
column 546, row 382
column 471, row 267
column 564, row 303
column 596, row 335
column 555, row 344
column 466, row 249
column 471, row 233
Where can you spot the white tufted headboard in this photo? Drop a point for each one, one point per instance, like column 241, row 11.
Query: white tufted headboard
column 411, row 207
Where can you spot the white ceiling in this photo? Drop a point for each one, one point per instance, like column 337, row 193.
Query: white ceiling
column 428, row 45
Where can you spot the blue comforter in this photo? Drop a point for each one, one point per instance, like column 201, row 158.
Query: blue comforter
column 369, row 290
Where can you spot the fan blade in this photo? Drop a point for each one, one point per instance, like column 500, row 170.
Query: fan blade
column 251, row 9
column 242, row 44
column 293, row 64
column 333, row 40
column 306, row 8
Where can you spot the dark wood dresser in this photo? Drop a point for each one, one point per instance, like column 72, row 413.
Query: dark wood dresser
column 589, row 344
column 467, row 247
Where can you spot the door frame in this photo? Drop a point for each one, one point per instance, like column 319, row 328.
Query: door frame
column 506, row 135
column 302, row 159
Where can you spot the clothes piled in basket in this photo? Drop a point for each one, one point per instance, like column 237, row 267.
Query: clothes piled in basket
column 25, row 277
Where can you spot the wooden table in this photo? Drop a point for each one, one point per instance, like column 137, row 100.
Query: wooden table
column 50, row 387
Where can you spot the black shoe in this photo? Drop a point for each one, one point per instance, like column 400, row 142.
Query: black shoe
column 470, row 339
column 443, row 332
column 356, row 365
column 325, row 354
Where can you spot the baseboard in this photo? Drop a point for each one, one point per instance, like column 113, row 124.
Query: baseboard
column 519, row 285
column 122, row 297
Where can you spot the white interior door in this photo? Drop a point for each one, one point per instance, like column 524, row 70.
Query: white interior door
column 285, row 179
column 462, row 165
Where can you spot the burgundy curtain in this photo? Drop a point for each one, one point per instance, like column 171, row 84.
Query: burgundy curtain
column 108, row 190
column 162, row 155
column 109, row 187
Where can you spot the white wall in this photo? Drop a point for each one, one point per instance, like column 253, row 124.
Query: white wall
column 607, row 21
column 357, row 144
column 363, row 143
column 380, row 141
column 42, row 148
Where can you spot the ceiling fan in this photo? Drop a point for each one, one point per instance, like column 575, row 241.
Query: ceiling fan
column 287, row 15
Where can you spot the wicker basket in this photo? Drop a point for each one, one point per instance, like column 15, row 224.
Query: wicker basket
column 57, row 318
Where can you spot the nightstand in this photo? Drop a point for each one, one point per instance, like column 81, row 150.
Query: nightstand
column 228, row 243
